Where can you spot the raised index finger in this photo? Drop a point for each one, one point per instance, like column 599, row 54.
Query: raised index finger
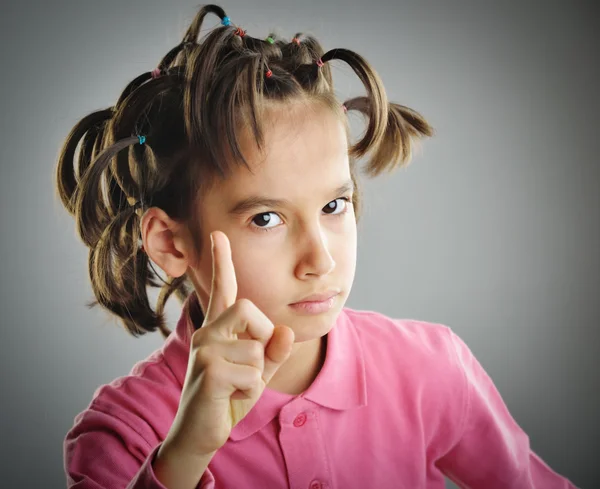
column 223, row 291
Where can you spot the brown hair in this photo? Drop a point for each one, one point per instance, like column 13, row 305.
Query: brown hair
column 207, row 89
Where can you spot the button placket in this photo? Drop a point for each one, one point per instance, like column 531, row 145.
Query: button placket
column 303, row 446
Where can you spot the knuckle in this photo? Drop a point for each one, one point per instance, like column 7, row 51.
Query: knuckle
column 257, row 376
column 244, row 307
column 204, row 355
column 255, row 350
column 197, row 337
column 201, row 336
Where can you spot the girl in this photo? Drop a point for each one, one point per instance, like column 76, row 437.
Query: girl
column 230, row 167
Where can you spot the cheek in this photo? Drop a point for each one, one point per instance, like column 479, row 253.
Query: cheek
column 344, row 250
column 259, row 274
column 202, row 270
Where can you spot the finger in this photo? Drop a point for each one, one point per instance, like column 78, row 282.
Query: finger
column 224, row 285
column 227, row 378
column 277, row 351
column 243, row 317
column 247, row 381
column 245, row 352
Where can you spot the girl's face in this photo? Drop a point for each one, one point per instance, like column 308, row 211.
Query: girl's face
column 290, row 222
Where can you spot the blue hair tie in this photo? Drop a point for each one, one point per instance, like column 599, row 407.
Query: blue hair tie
column 142, row 139
column 226, row 21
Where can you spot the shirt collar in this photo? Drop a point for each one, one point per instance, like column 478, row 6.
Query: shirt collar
column 340, row 385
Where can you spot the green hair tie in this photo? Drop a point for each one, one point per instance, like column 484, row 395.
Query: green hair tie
column 270, row 40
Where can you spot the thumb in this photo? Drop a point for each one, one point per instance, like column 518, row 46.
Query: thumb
column 277, row 350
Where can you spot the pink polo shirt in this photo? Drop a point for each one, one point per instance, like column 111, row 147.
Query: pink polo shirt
column 397, row 404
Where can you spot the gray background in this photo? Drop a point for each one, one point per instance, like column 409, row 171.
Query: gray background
column 494, row 229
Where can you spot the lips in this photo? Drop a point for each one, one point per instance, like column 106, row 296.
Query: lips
column 319, row 297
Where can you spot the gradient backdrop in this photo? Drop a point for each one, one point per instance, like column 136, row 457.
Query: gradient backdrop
column 494, row 229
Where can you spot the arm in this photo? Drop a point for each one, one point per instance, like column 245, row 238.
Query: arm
column 180, row 470
column 102, row 451
column 492, row 452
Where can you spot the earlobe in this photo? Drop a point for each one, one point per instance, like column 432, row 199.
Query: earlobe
column 164, row 242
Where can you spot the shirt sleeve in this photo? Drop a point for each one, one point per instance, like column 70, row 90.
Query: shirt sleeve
column 492, row 451
column 102, row 451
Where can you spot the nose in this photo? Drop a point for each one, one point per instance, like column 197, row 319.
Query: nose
column 315, row 258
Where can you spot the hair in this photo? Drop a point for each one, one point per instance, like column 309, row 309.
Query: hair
column 207, row 91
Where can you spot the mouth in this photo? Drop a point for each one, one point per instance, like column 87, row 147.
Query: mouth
column 316, row 303
column 319, row 297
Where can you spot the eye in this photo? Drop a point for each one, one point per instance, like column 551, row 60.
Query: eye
column 266, row 222
column 334, row 206
column 263, row 221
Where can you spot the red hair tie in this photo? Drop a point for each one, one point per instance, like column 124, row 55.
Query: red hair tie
column 240, row 32
column 268, row 74
column 296, row 40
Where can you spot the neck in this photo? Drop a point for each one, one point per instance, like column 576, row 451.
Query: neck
column 301, row 369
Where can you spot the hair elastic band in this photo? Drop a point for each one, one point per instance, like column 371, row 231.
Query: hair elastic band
column 296, row 40
column 135, row 204
column 268, row 74
column 345, row 108
column 142, row 139
column 155, row 73
column 240, row 32
column 320, row 62
column 226, row 21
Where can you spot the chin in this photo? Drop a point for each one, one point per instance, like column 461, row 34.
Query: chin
column 311, row 326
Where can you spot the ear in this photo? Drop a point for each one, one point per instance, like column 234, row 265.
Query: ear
column 166, row 241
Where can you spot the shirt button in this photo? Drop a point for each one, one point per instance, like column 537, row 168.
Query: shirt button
column 315, row 485
column 299, row 421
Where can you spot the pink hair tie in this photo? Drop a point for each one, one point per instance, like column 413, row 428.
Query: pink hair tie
column 296, row 40
column 345, row 108
column 155, row 72
column 320, row 62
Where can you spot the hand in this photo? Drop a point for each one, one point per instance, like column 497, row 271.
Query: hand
column 226, row 375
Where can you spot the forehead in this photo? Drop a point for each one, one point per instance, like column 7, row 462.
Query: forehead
column 305, row 149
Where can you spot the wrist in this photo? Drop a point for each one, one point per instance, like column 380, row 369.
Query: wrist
column 176, row 468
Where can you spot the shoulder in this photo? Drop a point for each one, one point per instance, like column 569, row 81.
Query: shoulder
column 124, row 422
column 415, row 366
column 419, row 355
column 412, row 336
column 143, row 402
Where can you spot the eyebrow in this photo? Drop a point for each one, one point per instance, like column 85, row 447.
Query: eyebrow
column 254, row 201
